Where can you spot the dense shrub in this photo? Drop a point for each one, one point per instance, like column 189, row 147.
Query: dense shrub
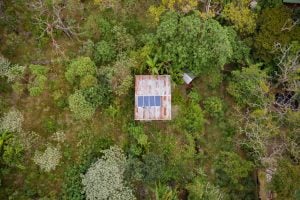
column 105, row 178
column 104, row 52
column 12, row 121
column 192, row 120
column 186, row 42
column 38, row 81
column 80, row 68
column 49, row 159
column 241, row 16
column 249, row 86
column 271, row 31
column 11, row 150
column 232, row 168
column 214, row 107
column 81, row 108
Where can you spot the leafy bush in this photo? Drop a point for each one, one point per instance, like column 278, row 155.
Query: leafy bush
column 140, row 139
column 186, row 42
column 104, row 53
column 230, row 166
column 88, row 81
column 81, row 108
column 4, row 66
column 249, row 86
column 97, row 27
column 192, row 120
column 99, row 95
column 80, row 68
column 286, row 180
column 214, row 107
column 49, row 159
column 271, row 31
column 105, row 178
column 38, row 81
column 12, row 121
column 241, row 16
column 11, row 150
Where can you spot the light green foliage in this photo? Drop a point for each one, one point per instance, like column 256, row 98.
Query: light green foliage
column 187, row 42
column 105, row 178
column 275, row 27
column 12, row 121
column 38, row 81
column 214, row 107
column 140, row 140
column 79, row 68
column 192, row 120
column 231, row 166
column 249, row 87
column 241, row 16
column 49, row 159
column 81, row 108
column 88, row 81
column 183, row 6
column 163, row 192
column 11, row 150
column 104, row 52
column 286, row 181
column 201, row 189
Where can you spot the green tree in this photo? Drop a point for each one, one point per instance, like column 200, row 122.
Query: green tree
column 241, row 16
column 276, row 26
column 192, row 120
column 105, row 178
column 189, row 42
column 286, row 181
column 214, row 107
column 81, row 108
column 104, row 52
column 79, row 69
column 11, row 150
column 38, row 80
column 249, row 86
column 232, row 167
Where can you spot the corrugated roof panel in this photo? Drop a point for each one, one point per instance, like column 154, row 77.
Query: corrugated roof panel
column 156, row 92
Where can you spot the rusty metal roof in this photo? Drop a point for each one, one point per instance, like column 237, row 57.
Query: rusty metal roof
column 151, row 85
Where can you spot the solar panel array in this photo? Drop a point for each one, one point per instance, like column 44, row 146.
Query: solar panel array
column 148, row 101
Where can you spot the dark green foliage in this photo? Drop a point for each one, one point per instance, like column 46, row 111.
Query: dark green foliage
column 154, row 168
column 275, row 27
column 189, row 42
column 99, row 95
column 72, row 186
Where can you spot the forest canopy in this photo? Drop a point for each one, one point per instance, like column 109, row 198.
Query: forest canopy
column 68, row 101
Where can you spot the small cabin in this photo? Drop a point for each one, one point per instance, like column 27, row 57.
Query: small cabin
column 152, row 97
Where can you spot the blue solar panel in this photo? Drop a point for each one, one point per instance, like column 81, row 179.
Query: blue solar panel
column 140, row 101
column 146, row 101
column 157, row 101
column 152, row 102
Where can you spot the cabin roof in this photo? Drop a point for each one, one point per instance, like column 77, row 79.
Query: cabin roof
column 152, row 97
